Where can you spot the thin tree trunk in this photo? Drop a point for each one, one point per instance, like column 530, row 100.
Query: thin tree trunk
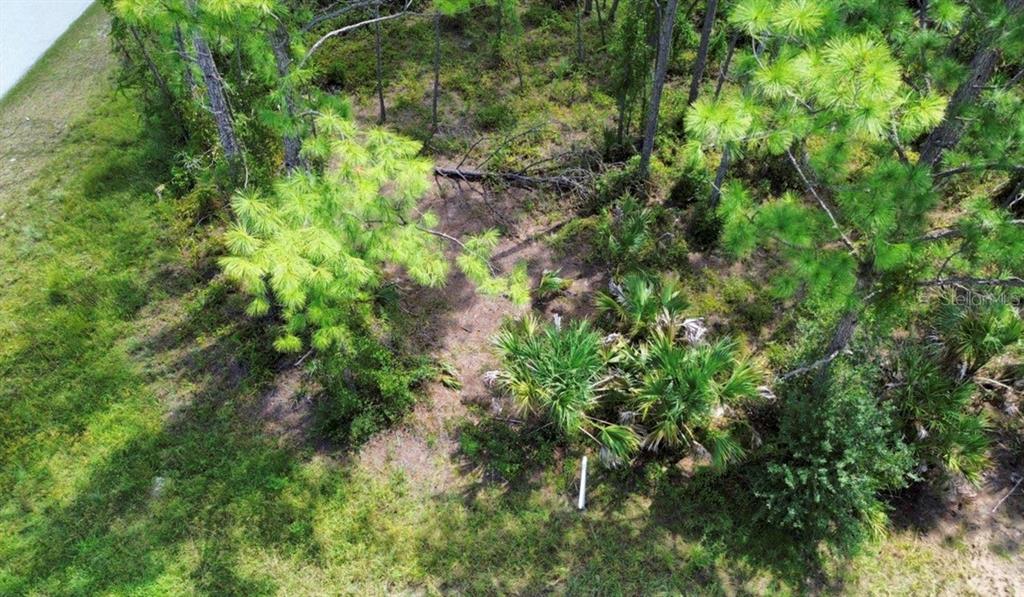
column 579, row 32
column 716, row 187
column 614, row 9
column 382, row 117
column 501, row 24
column 600, row 24
column 725, row 65
column 280, row 42
column 160, row 81
column 668, row 21
column 588, row 6
column 620, row 133
column 702, row 50
column 217, row 100
column 186, row 61
column 947, row 134
column 437, row 69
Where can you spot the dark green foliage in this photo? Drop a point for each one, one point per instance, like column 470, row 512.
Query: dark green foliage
column 836, row 449
column 365, row 389
column 690, row 187
column 703, row 227
column 495, row 117
column 617, row 183
column 508, row 450
column 634, row 236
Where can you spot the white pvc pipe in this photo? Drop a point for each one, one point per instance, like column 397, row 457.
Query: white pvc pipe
column 582, row 502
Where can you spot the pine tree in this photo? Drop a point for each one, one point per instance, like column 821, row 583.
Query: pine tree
column 315, row 248
column 858, row 229
column 633, row 57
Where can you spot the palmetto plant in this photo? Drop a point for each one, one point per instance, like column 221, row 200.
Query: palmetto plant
column 666, row 390
column 627, row 231
column 639, row 305
column 973, row 335
column 687, row 394
column 934, row 409
column 551, row 284
column 559, row 372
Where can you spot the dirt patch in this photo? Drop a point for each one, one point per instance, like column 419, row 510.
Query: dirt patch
column 455, row 325
column 286, row 409
column 985, row 526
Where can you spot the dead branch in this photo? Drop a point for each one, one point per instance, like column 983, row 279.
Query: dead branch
column 565, row 182
column 1010, row 282
column 347, row 28
column 821, row 202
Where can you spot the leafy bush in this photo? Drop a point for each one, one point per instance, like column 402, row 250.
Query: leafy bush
column 495, row 117
column 509, row 452
column 836, row 449
column 365, row 389
column 704, row 227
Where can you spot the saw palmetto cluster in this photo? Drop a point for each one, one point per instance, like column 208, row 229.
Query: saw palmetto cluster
column 652, row 383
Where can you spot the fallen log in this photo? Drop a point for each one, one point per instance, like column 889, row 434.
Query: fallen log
column 515, row 179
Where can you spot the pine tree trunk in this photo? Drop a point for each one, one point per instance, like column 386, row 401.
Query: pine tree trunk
column 613, row 10
column 668, row 21
column 186, row 61
column 216, row 99
column 702, row 50
column 725, row 65
column 579, row 32
column 947, row 134
column 716, row 187
column 161, row 83
column 600, row 24
column 382, row 117
column 280, row 42
column 437, row 69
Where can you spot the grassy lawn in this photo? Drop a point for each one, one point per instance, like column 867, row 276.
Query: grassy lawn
column 131, row 461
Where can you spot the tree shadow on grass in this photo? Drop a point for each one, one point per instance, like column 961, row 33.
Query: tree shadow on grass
column 517, row 529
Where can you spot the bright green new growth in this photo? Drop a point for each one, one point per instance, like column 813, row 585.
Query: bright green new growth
column 316, row 246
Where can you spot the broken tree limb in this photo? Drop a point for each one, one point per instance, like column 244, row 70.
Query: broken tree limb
column 1009, row 282
column 515, row 179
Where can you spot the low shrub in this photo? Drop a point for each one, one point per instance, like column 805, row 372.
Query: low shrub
column 836, row 449
column 365, row 389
